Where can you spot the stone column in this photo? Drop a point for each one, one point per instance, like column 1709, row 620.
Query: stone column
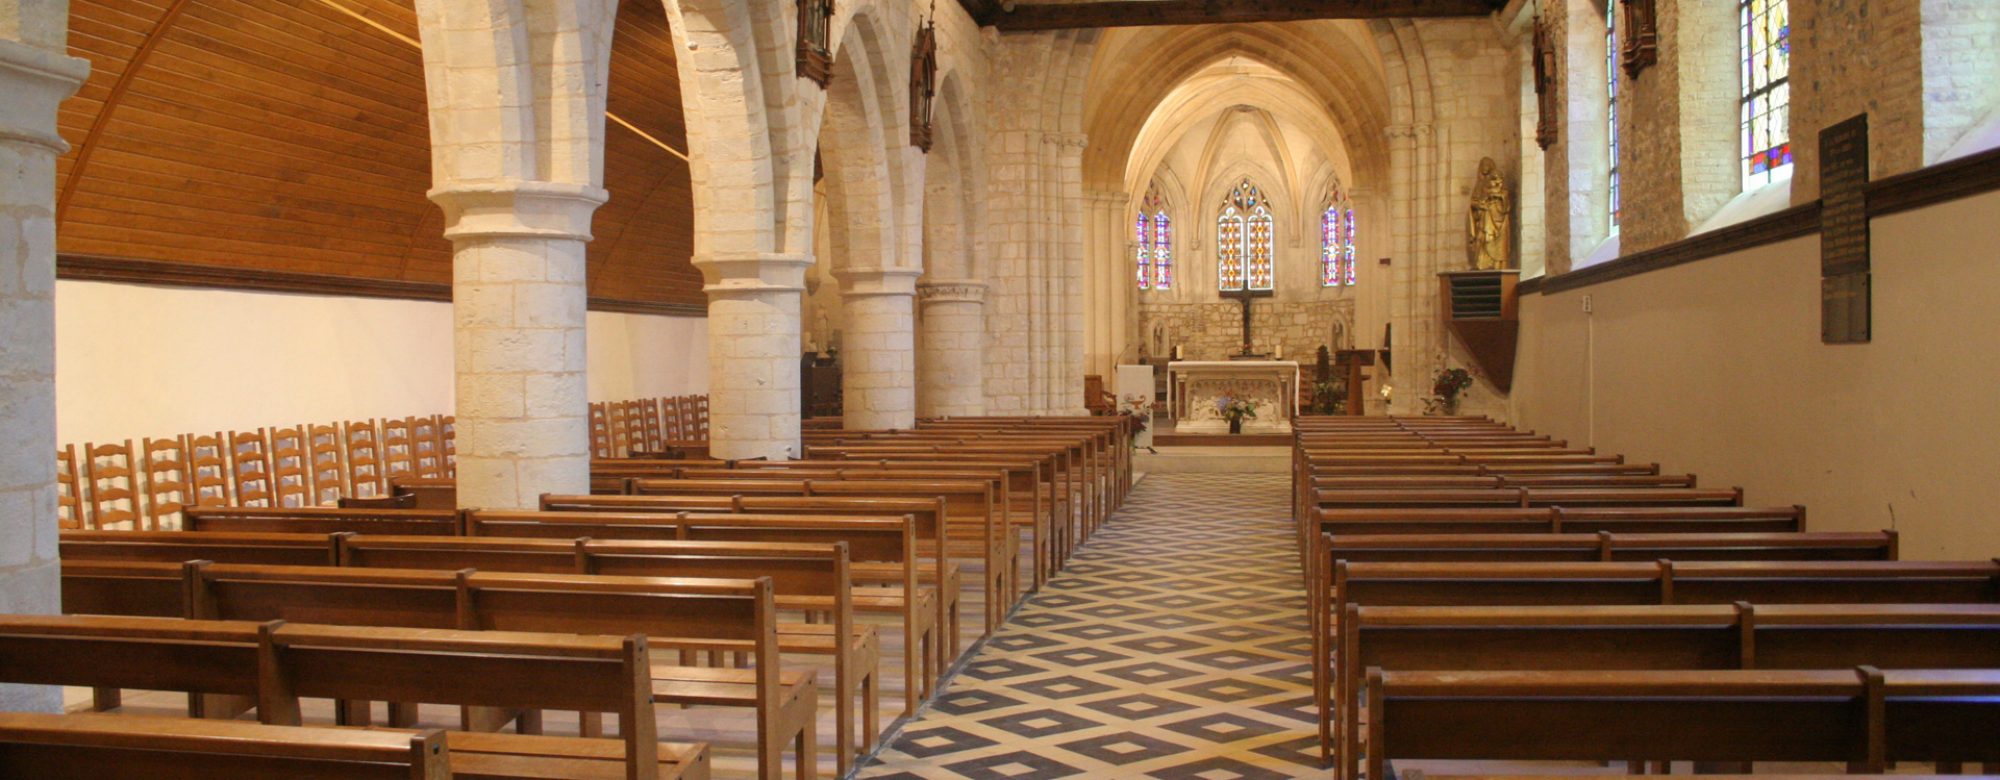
column 33, row 80
column 952, row 379
column 753, row 352
column 879, row 355
column 1069, row 254
column 518, row 311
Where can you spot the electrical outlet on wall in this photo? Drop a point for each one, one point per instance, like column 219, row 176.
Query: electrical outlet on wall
column 1587, row 305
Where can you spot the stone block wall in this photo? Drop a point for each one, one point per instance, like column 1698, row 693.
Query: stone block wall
column 1213, row 331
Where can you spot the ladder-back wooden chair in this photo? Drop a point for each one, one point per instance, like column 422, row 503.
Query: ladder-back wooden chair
column 208, row 469
column 399, row 449
column 652, row 434
column 169, row 490
column 69, row 489
column 291, row 467
column 448, row 435
column 426, row 447
column 326, row 458
column 363, row 444
column 113, row 485
column 250, row 468
column 600, row 431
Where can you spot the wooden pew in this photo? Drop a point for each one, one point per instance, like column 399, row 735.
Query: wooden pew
column 1513, row 520
column 972, row 529
column 402, row 522
column 1016, row 486
column 1735, row 636
column 813, row 577
column 274, row 665
column 1864, row 716
column 687, row 614
column 1608, row 546
column 276, row 549
column 886, row 568
column 96, row 747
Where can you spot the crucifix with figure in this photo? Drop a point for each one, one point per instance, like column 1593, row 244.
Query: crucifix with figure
column 1244, row 297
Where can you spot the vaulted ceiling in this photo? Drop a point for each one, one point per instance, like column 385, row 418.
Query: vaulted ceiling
column 291, row 136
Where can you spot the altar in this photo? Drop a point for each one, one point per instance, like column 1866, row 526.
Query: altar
column 1193, row 387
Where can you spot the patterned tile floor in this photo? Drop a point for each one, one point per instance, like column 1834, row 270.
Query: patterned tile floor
column 1173, row 646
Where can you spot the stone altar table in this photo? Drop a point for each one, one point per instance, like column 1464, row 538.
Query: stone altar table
column 1193, row 386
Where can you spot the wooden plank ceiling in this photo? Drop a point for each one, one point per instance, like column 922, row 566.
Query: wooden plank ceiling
column 288, row 136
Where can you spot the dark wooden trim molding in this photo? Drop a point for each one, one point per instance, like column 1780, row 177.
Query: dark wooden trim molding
column 1929, row 186
column 1960, row 178
column 1791, row 223
column 649, row 307
column 1529, row 286
column 93, row 268
column 1028, row 17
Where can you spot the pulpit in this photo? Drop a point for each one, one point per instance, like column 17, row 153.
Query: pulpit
column 1194, row 386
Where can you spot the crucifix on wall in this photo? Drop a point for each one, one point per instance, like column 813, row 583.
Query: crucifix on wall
column 1244, row 297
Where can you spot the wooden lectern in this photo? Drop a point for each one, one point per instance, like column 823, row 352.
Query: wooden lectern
column 1354, row 360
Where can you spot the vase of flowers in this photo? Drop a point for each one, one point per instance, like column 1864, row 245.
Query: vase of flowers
column 1235, row 410
column 1446, row 386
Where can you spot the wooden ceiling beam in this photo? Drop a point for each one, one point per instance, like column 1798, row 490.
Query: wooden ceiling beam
column 1147, row 13
column 983, row 11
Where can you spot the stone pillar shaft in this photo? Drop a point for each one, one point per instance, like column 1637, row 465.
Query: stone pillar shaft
column 518, row 302
column 33, row 81
column 753, row 353
column 951, row 374
column 879, row 356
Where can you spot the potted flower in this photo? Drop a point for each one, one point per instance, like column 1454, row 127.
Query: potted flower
column 1446, row 385
column 1235, row 410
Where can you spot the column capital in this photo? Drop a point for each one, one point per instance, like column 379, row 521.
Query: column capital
column 517, row 209
column 737, row 274
column 952, row 290
column 33, row 82
column 877, row 281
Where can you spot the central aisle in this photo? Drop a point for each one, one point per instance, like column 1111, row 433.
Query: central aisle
column 1173, row 646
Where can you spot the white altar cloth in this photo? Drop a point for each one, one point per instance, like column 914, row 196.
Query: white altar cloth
column 1193, row 386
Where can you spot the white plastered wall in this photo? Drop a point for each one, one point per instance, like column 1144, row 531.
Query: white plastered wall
column 1716, row 368
column 135, row 360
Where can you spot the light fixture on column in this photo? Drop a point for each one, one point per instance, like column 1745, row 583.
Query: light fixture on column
column 923, row 81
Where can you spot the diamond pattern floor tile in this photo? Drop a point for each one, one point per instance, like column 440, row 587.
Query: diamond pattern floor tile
column 1171, row 647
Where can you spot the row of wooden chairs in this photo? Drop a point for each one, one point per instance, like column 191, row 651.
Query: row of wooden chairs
column 1479, row 593
column 648, row 426
column 149, row 485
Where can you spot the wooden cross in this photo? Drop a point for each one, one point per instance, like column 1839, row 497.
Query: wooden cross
column 1244, row 297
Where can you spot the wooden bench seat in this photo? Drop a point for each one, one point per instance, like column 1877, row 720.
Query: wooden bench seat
column 972, row 527
column 1608, row 546
column 272, row 665
column 809, row 577
column 1735, row 636
column 888, row 541
column 726, row 616
column 1865, row 717
column 1513, row 520
column 96, row 747
column 402, row 522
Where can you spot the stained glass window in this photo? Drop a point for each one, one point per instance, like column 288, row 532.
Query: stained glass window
column 1155, row 238
column 1244, row 234
column 1145, row 245
column 1765, row 35
column 1336, row 250
column 1611, row 102
column 1163, row 251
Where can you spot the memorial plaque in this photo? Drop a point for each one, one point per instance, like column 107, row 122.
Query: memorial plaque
column 1845, row 316
column 1843, row 237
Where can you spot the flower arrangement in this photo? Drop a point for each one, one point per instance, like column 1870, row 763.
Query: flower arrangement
column 1140, row 409
column 1235, row 410
column 1446, row 385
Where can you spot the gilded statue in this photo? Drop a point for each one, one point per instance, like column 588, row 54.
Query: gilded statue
column 1490, row 222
